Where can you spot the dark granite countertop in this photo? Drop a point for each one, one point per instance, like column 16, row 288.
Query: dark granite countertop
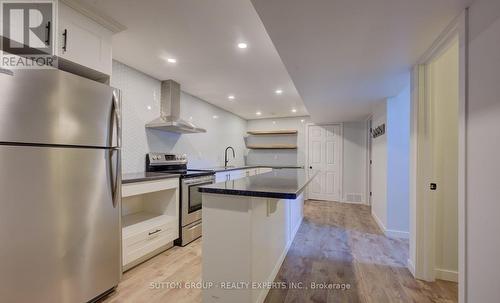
column 286, row 183
column 230, row 168
column 145, row 176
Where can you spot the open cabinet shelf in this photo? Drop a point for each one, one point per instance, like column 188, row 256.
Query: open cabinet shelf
column 273, row 146
column 272, row 132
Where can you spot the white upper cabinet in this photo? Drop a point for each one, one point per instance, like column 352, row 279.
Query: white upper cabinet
column 83, row 41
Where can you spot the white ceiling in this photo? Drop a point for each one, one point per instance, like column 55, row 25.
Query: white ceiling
column 344, row 55
column 203, row 37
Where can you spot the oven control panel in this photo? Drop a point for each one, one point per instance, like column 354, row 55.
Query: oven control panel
column 166, row 159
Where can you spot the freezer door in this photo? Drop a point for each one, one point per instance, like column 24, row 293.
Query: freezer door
column 59, row 224
column 56, row 107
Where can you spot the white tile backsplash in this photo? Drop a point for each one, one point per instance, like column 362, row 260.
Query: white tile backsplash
column 141, row 104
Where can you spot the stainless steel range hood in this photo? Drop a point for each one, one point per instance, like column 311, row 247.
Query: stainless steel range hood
column 170, row 108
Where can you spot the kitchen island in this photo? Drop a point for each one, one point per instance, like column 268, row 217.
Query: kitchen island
column 248, row 226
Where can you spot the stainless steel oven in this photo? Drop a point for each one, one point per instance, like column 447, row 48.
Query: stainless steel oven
column 190, row 198
column 191, row 207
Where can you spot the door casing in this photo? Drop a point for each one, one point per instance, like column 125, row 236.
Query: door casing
column 422, row 246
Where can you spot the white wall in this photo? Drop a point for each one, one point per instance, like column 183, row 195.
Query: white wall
column 483, row 146
column 354, row 155
column 444, row 89
column 204, row 150
column 398, row 163
column 354, row 161
column 379, row 168
column 278, row 157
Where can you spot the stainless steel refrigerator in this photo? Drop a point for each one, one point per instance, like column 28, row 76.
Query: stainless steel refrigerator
column 59, row 187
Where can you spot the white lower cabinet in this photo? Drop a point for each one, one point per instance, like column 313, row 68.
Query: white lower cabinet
column 263, row 170
column 240, row 173
column 222, row 176
column 150, row 219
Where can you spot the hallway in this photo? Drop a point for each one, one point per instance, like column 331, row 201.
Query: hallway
column 341, row 243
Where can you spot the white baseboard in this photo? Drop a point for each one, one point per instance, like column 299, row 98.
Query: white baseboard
column 411, row 267
column 378, row 221
column 389, row 232
column 447, row 275
column 397, row 234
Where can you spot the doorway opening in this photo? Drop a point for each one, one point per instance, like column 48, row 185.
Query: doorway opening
column 437, row 201
column 324, row 156
column 443, row 85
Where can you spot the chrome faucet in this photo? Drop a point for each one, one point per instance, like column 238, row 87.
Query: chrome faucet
column 225, row 155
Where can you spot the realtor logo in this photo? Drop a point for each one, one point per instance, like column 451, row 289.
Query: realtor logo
column 27, row 29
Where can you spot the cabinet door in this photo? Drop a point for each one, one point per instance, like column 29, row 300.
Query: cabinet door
column 264, row 170
column 83, row 41
column 251, row 172
column 222, row 177
column 237, row 174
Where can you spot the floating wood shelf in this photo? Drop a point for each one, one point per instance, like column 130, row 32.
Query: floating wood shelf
column 272, row 132
column 273, row 146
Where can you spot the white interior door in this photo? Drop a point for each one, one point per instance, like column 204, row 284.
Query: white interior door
column 324, row 156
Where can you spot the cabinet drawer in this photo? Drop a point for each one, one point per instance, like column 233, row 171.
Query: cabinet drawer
column 144, row 247
column 141, row 244
column 150, row 232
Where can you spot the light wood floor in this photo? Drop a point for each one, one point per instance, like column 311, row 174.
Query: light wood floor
column 178, row 264
column 336, row 243
column 341, row 243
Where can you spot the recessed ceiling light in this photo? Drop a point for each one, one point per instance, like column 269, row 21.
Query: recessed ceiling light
column 215, row 117
column 242, row 45
column 294, row 110
column 171, row 60
column 279, row 92
column 230, row 97
column 149, row 107
column 258, row 113
column 301, row 120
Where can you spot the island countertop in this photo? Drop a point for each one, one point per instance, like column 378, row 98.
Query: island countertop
column 219, row 169
column 285, row 183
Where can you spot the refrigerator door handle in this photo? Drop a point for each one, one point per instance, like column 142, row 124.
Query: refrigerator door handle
column 115, row 128
column 114, row 175
column 6, row 71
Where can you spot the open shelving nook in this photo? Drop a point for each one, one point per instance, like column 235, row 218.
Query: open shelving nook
column 141, row 211
column 150, row 219
column 272, row 139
